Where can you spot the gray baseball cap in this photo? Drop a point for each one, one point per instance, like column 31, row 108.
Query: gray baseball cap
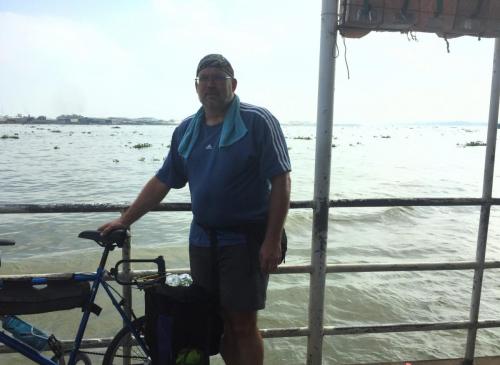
column 215, row 60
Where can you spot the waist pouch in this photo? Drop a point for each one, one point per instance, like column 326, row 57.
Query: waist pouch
column 21, row 297
column 181, row 320
column 254, row 231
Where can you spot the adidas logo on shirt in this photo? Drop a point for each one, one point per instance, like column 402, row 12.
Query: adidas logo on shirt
column 209, row 147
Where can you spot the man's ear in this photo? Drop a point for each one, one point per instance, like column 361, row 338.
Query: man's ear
column 234, row 82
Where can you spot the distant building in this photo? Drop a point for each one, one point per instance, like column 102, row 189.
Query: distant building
column 73, row 118
column 86, row 120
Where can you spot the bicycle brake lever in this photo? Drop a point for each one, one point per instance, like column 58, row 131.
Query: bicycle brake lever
column 4, row 242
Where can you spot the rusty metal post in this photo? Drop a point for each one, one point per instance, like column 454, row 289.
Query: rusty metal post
column 328, row 42
column 489, row 165
column 127, row 292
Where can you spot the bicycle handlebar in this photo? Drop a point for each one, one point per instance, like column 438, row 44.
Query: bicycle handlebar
column 4, row 242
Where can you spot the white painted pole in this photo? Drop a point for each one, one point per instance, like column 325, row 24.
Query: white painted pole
column 489, row 165
column 328, row 42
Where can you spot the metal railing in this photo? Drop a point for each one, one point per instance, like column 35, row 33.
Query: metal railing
column 301, row 269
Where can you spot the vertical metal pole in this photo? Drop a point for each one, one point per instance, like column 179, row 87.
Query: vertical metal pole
column 127, row 289
column 489, row 165
column 127, row 294
column 328, row 44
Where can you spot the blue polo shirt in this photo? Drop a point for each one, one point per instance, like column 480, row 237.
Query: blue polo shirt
column 229, row 185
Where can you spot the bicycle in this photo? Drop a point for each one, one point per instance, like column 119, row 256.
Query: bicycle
column 129, row 343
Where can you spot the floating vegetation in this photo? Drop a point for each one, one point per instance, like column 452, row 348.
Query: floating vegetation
column 56, row 131
column 56, row 147
column 303, row 138
column 156, row 159
column 116, row 127
column 5, row 136
column 474, row 144
column 385, row 136
column 116, row 161
column 142, row 159
column 334, row 145
column 142, row 145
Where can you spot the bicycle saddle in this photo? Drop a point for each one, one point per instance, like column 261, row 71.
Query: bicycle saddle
column 4, row 242
column 117, row 236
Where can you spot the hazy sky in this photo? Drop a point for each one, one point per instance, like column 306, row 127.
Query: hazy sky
column 138, row 59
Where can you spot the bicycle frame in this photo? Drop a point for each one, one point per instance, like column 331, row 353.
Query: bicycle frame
column 98, row 279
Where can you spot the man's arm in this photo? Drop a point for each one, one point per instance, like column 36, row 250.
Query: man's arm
column 151, row 195
column 270, row 252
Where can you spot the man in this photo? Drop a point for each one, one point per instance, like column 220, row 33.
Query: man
column 235, row 159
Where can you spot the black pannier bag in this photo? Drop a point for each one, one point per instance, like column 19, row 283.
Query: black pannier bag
column 23, row 297
column 180, row 320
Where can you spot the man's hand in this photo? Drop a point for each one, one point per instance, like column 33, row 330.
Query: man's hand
column 110, row 226
column 270, row 251
column 270, row 256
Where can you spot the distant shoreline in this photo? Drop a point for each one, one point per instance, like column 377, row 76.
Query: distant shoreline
column 55, row 122
column 75, row 119
column 121, row 122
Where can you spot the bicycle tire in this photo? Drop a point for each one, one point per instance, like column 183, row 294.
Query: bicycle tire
column 114, row 353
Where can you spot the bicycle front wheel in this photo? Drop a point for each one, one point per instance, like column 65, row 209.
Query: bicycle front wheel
column 124, row 346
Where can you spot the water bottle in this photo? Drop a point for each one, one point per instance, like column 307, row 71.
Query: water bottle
column 25, row 332
column 185, row 279
column 173, row 280
column 179, row 280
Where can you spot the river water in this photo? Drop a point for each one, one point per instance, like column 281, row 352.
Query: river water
column 49, row 164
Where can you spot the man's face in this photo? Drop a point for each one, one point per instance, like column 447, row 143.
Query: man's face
column 215, row 88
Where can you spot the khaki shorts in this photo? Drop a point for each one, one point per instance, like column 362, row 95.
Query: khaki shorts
column 239, row 281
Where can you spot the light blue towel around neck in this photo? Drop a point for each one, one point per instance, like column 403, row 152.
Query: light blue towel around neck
column 233, row 129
